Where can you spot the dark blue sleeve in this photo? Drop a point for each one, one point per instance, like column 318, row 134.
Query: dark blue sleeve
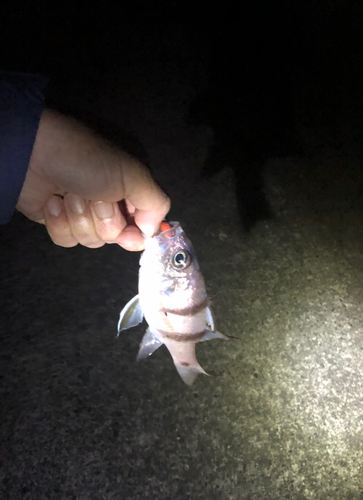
column 21, row 104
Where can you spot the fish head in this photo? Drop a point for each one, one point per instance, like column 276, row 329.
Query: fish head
column 170, row 265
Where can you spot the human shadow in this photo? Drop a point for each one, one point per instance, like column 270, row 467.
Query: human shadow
column 247, row 103
column 280, row 74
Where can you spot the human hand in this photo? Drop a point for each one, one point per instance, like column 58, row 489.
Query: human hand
column 74, row 182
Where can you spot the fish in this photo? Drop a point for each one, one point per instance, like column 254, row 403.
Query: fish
column 173, row 300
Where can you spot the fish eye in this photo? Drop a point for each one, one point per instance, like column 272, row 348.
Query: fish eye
column 181, row 259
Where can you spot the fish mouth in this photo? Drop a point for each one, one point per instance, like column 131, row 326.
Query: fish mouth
column 170, row 232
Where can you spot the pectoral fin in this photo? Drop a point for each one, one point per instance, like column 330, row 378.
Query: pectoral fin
column 148, row 345
column 209, row 335
column 210, row 319
column 131, row 315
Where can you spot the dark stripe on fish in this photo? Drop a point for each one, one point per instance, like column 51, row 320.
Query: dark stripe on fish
column 188, row 311
column 182, row 337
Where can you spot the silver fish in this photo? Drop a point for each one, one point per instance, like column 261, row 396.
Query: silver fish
column 173, row 300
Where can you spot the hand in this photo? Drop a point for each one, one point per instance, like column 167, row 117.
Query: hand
column 74, row 182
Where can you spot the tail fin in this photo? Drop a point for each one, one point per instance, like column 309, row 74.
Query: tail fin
column 190, row 373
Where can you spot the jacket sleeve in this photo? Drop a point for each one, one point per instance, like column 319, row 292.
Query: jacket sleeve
column 21, row 104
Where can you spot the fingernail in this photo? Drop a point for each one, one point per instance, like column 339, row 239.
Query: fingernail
column 103, row 210
column 76, row 203
column 54, row 206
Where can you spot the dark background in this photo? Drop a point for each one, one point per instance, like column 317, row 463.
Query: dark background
column 283, row 78
column 251, row 120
